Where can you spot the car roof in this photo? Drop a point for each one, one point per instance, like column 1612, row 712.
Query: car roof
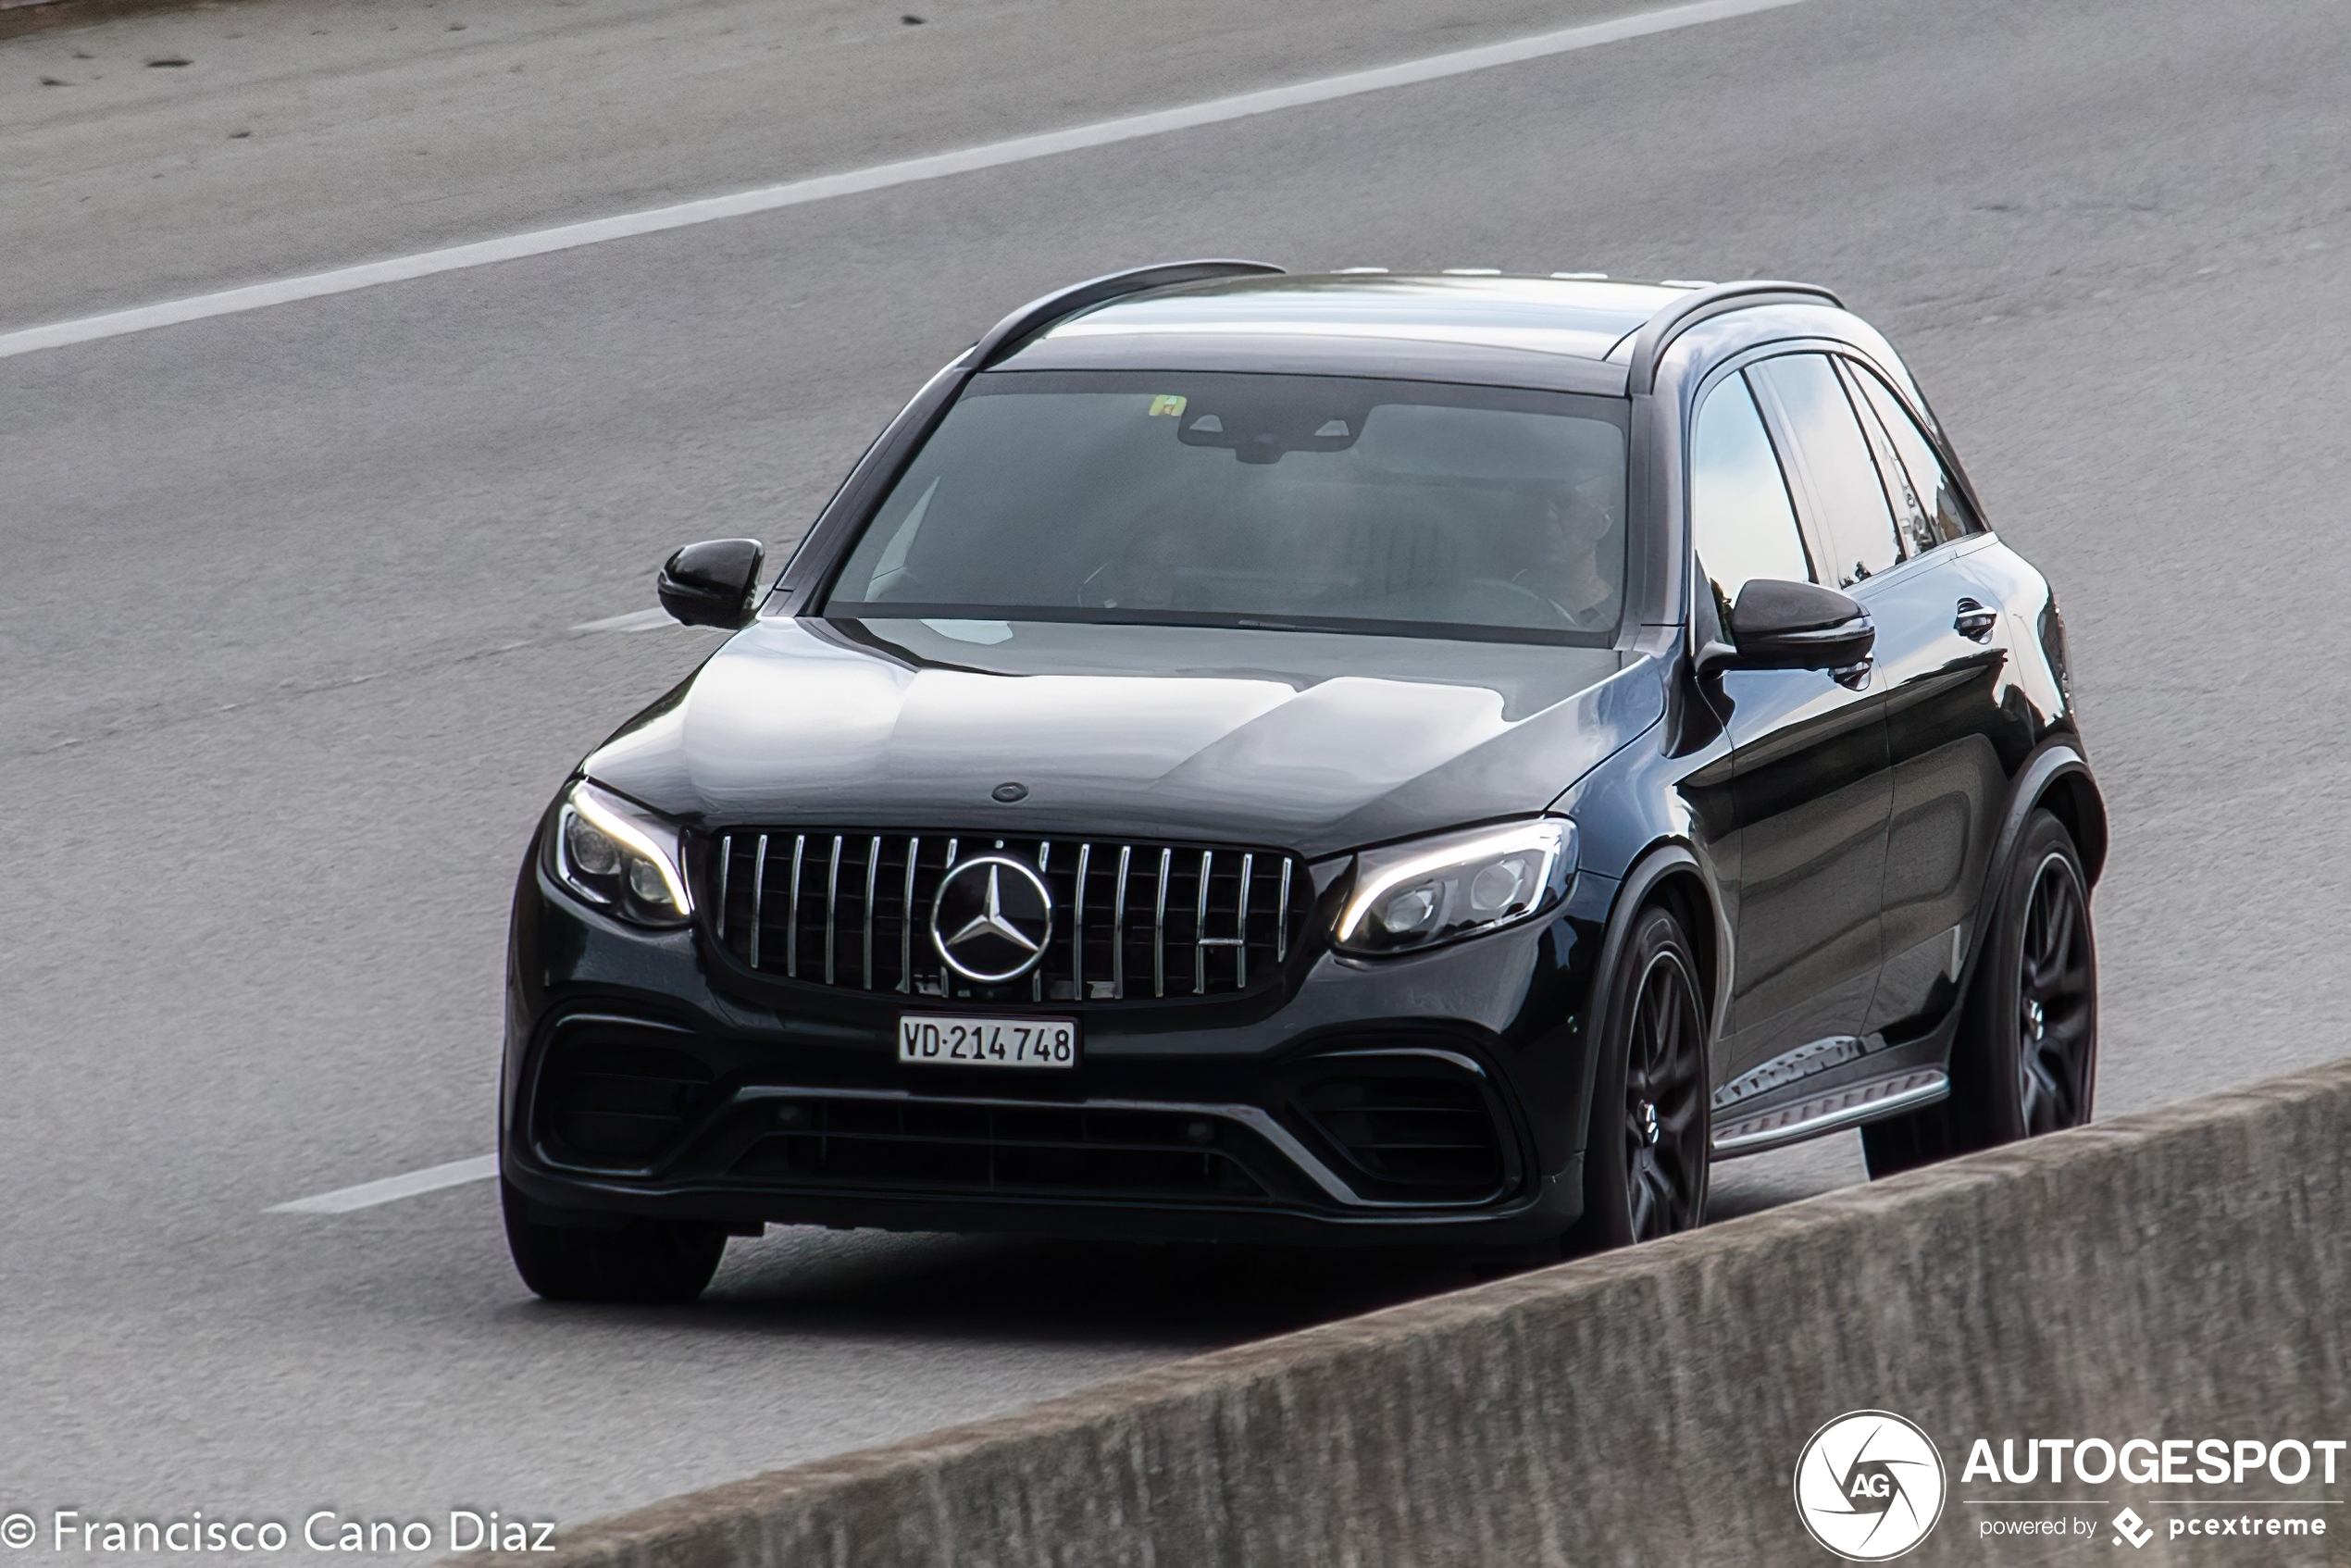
column 1583, row 317
column 1569, row 332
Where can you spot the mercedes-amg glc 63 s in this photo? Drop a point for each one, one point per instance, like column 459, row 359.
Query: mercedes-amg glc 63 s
column 1339, row 758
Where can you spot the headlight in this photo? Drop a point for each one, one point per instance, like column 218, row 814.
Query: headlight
column 620, row 857
column 1439, row 889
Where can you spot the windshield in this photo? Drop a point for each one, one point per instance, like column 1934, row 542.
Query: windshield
column 1244, row 500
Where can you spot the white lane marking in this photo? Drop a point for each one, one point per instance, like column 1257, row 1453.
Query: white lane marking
column 367, row 1194
column 908, row 172
column 635, row 620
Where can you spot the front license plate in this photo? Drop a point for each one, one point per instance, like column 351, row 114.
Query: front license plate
column 986, row 1042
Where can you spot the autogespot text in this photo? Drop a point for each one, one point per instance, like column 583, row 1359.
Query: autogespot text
column 2176, row 1461
column 2177, row 1464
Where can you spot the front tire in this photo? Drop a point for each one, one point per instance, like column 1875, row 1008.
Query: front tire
column 2025, row 1059
column 1649, row 1155
column 641, row 1261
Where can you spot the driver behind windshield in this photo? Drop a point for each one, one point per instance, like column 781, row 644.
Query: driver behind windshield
column 1573, row 548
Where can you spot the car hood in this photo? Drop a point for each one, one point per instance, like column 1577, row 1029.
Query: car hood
column 1309, row 741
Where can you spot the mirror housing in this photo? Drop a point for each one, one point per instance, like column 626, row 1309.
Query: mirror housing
column 1779, row 625
column 710, row 583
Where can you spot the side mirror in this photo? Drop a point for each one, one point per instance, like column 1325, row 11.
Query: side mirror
column 1798, row 626
column 710, row 583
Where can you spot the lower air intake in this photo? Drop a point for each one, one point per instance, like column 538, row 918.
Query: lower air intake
column 609, row 1102
column 1430, row 1135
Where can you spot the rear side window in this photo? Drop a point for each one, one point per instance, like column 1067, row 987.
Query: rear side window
column 1741, row 521
column 1947, row 515
column 1839, row 471
column 1918, row 528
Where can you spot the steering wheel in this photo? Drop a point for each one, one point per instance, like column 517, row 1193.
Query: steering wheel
column 1521, row 595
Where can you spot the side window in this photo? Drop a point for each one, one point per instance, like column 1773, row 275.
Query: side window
column 1741, row 522
column 1945, row 508
column 1910, row 516
column 1838, row 469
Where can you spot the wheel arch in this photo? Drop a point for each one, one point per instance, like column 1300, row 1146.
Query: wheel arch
column 1672, row 873
column 2057, row 777
column 2071, row 796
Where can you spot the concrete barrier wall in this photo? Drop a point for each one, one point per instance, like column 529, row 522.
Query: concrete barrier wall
column 2181, row 1274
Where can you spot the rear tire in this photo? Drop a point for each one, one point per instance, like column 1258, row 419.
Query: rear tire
column 2024, row 1061
column 640, row 1261
column 1649, row 1153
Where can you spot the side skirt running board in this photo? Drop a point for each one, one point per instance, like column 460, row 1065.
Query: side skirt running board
column 1831, row 1110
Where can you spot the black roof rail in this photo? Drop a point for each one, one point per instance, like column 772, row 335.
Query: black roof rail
column 1658, row 332
column 1008, row 336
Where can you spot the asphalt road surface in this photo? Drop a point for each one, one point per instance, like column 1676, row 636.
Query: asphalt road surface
column 291, row 599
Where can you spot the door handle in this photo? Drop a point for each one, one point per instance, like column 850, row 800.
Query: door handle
column 1975, row 622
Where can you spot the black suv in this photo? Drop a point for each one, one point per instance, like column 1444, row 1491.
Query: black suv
column 1333, row 758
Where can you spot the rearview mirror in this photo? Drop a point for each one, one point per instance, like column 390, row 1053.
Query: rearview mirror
column 1798, row 626
column 710, row 583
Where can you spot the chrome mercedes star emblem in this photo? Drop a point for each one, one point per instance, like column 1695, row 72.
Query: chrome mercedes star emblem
column 991, row 919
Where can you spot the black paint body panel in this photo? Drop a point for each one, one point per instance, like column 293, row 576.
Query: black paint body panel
column 1830, row 844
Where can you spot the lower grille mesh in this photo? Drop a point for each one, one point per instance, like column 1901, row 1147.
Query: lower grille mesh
column 948, row 1147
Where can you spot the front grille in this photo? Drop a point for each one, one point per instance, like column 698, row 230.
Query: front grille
column 944, row 1147
column 609, row 1102
column 1131, row 920
column 1429, row 1132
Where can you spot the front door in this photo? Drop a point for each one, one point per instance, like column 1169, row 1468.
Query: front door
column 1810, row 780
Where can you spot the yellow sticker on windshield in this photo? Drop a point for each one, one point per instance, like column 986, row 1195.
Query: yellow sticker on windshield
column 1168, row 405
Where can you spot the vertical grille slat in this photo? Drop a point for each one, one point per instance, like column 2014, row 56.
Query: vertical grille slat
column 906, row 919
column 1216, row 924
column 1118, row 928
column 726, row 855
column 1036, row 975
column 832, row 910
column 792, row 944
column 873, row 875
column 1159, row 927
column 1281, row 926
column 1241, row 922
column 758, row 887
column 1078, row 927
column 1199, row 924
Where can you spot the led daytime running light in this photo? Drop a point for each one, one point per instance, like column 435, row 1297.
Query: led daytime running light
column 614, row 826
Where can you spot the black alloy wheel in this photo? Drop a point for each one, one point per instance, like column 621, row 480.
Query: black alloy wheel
column 1649, row 1156
column 641, row 1261
column 2024, row 1061
column 2057, row 999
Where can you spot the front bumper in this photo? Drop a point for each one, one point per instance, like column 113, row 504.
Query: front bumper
column 1438, row 1098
